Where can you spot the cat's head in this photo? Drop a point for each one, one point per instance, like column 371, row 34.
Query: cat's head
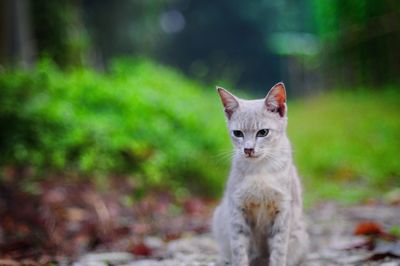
column 256, row 126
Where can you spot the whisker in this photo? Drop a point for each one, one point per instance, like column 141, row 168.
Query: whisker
column 224, row 156
column 274, row 157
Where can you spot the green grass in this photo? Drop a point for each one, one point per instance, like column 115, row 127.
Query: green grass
column 346, row 144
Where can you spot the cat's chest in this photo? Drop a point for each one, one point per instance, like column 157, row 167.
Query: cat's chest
column 261, row 189
column 260, row 198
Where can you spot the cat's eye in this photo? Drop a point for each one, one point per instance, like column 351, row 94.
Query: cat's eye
column 262, row 133
column 238, row 133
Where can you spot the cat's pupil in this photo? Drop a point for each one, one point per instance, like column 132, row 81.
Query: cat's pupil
column 238, row 133
column 262, row 133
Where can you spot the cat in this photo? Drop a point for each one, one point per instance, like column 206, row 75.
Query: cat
column 260, row 218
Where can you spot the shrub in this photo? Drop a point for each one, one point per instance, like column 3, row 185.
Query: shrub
column 139, row 119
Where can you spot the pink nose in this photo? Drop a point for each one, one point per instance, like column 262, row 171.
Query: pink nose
column 248, row 152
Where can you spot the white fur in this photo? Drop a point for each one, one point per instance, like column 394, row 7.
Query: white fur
column 260, row 218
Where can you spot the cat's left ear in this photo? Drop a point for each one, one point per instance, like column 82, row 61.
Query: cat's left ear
column 275, row 101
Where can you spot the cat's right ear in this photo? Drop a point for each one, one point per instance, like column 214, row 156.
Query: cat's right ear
column 229, row 101
column 276, row 99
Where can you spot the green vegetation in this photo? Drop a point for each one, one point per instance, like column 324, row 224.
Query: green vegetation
column 139, row 120
column 151, row 124
column 355, row 37
column 346, row 143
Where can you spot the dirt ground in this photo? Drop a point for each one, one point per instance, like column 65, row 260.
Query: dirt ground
column 74, row 224
column 333, row 241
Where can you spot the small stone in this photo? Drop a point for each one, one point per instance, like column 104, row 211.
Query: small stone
column 90, row 263
column 100, row 259
column 154, row 242
column 393, row 263
column 353, row 259
column 346, row 242
column 145, row 263
column 193, row 245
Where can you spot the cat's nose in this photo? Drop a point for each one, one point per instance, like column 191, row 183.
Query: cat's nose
column 248, row 152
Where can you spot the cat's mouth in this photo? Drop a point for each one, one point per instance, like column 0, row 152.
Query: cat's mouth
column 252, row 156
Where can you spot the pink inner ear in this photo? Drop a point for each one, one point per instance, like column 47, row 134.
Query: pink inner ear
column 282, row 110
column 276, row 99
column 228, row 113
column 229, row 102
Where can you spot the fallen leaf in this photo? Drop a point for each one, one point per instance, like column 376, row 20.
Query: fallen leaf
column 141, row 249
column 368, row 228
column 172, row 236
column 395, row 231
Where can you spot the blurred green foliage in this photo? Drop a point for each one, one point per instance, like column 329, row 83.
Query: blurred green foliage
column 346, row 143
column 150, row 123
column 356, row 37
column 140, row 119
column 59, row 31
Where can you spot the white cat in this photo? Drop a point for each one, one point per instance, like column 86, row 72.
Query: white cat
column 260, row 219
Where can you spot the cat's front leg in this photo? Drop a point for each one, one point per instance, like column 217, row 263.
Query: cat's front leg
column 278, row 239
column 239, row 237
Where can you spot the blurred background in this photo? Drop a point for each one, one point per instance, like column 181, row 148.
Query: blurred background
column 108, row 109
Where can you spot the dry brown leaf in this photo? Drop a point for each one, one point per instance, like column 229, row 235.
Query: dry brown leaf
column 368, row 228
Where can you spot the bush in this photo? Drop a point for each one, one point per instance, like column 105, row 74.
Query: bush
column 140, row 120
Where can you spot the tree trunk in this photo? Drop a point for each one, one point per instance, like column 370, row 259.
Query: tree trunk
column 16, row 45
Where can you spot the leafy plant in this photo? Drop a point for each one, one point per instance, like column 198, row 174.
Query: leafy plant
column 140, row 120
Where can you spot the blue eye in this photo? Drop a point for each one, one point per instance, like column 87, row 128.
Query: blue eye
column 262, row 133
column 238, row 133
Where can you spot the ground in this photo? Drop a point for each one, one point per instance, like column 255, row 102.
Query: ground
column 75, row 224
column 333, row 241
